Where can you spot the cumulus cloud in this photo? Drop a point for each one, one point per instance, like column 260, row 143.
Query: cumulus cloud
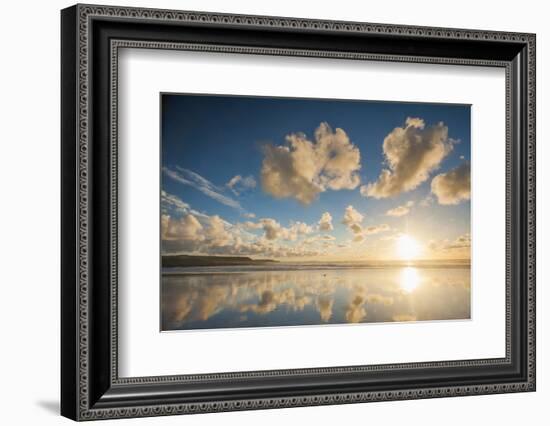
column 400, row 210
column 300, row 228
column 352, row 219
column 273, row 230
column 357, row 238
column 253, row 225
column 463, row 241
column 457, row 248
column 319, row 239
column 454, row 186
column 325, row 223
column 216, row 233
column 301, row 169
column 411, row 153
column 183, row 231
column 187, row 228
column 212, row 232
column 238, row 184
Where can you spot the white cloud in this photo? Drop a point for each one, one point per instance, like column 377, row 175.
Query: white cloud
column 463, row 241
column 173, row 205
column 189, row 233
column 411, row 153
column 238, row 184
column 301, row 168
column 360, row 232
column 454, row 186
column 216, row 233
column 190, row 178
column 273, row 230
column 376, row 229
column 325, row 223
column 212, row 235
column 400, row 210
column 352, row 218
column 460, row 247
column 300, row 228
column 358, row 238
column 319, row 239
column 187, row 228
column 172, row 201
column 428, row 201
column 253, row 225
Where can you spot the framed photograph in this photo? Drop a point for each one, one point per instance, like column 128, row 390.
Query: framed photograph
column 263, row 212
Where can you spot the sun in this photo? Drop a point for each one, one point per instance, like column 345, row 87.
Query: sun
column 407, row 248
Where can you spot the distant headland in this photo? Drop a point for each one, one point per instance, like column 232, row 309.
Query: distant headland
column 183, row 260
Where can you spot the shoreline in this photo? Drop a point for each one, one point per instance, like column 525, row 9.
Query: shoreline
column 280, row 267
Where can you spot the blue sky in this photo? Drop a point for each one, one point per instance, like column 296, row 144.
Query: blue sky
column 209, row 140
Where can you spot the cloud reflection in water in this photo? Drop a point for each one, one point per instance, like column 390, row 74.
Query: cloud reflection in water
column 255, row 298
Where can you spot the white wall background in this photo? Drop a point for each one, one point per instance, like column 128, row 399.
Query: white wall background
column 29, row 211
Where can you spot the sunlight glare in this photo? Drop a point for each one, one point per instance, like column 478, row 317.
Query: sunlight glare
column 407, row 247
column 409, row 279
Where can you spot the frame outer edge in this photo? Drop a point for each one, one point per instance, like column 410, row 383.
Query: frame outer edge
column 81, row 318
column 69, row 221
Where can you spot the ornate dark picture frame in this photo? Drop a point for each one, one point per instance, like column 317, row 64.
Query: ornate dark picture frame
column 90, row 385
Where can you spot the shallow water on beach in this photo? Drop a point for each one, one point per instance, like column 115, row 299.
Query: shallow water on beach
column 246, row 296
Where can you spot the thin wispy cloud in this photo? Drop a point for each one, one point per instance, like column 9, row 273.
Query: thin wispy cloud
column 169, row 201
column 175, row 206
column 200, row 183
column 238, row 184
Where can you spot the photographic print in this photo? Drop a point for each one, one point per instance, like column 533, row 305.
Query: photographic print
column 291, row 212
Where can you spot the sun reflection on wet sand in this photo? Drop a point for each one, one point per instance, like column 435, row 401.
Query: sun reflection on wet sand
column 253, row 298
column 409, row 279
